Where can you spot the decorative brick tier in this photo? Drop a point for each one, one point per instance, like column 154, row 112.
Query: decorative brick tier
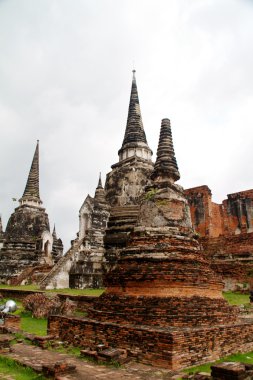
column 173, row 348
column 162, row 279
column 157, row 311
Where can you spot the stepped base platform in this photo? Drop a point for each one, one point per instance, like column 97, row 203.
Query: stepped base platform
column 61, row 366
column 169, row 347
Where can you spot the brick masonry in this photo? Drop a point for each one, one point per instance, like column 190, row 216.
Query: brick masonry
column 167, row 347
column 226, row 232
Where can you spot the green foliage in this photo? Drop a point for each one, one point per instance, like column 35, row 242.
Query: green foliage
column 236, row 298
column 161, row 202
column 76, row 351
column 150, row 194
column 18, row 372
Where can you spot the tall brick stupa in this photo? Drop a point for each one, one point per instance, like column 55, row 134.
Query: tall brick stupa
column 163, row 304
column 28, row 243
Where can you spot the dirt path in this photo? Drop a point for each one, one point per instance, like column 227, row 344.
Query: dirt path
column 35, row 357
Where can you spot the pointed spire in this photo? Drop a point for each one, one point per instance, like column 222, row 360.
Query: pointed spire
column 99, row 186
column 135, row 136
column 99, row 196
column 1, row 226
column 32, row 192
column 54, row 233
column 166, row 164
column 134, row 128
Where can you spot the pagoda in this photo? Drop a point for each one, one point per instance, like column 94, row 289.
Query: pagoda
column 28, row 242
column 163, row 304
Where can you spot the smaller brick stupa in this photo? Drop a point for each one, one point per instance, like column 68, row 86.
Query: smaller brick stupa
column 28, row 243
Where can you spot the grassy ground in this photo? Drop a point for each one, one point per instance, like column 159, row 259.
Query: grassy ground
column 28, row 323
column 236, row 298
column 245, row 358
column 33, row 325
column 88, row 292
column 39, row 327
column 81, row 292
column 11, row 368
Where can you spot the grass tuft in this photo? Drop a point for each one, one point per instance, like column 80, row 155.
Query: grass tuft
column 245, row 358
column 18, row 372
column 236, row 298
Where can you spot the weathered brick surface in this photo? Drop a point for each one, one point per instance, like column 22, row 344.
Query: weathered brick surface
column 82, row 302
column 169, row 347
column 157, row 311
column 226, row 232
column 163, row 303
column 10, row 320
column 232, row 371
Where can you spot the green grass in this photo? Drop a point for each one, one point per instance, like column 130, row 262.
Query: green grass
column 19, row 287
column 87, row 292
column 33, row 325
column 77, row 292
column 18, row 372
column 236, row 298
column 245, row 358
column 36, row 326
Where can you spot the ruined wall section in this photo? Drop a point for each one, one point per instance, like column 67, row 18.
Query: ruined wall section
column 225, row 232
column 207, row 216
column 238, row 212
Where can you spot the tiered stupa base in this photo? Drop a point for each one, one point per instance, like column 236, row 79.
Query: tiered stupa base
column 172, row 348
column 162, row 279
column 163, row 305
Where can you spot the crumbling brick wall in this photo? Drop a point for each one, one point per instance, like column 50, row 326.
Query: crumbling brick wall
column 226, row 232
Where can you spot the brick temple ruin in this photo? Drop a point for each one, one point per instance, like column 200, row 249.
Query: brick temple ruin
column 163, row 303
column 225, row 230
column 226, row 233
column 28, row 250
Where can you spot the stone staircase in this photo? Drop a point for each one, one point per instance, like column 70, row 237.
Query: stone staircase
column 31, row 274
column 60, row 264
column 121, row 222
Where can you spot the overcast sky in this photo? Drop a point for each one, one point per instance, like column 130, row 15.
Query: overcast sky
column 65, row 79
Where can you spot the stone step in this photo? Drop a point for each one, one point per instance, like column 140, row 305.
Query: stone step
column 121, row 222
column 61, row 366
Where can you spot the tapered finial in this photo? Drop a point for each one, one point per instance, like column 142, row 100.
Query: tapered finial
column 99, row 186
column 54, row 233
column 32, row 185
column 166, row 164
